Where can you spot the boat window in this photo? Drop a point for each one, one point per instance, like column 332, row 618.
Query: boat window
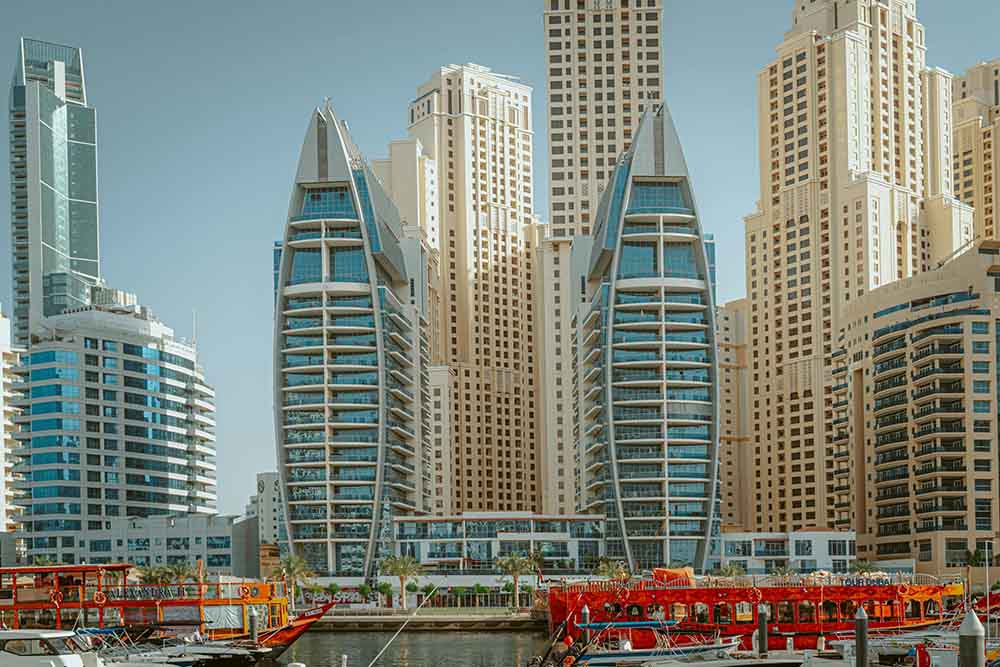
column 678, row 611
column 785, row 614
column 807, row 612
column 655, row 612
column 699, row 611
column 744, row 612
column 768, row 611
column 28, row 647
column 723, row 614
column 634, row 611
column 913, row 609
column 847, row 609
column 931, row 609
column 829, row 614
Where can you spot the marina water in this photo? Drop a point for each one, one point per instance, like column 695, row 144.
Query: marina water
column 417, row 649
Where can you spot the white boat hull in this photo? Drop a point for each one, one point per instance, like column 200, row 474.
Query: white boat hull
column 654, row 656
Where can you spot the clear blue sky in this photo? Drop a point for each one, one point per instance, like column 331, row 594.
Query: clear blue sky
column 202, row 107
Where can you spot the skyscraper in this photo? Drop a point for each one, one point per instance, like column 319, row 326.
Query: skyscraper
column 976, row 103
column 855, row 194
column 477, row 126
column 53, row 170
column 118, row 422
column 735, row 452
column 10, row 359
column 347, row 362
column 603, row 71
column 649, row 423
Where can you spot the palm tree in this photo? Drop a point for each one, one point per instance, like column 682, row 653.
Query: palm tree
column 782, row 571
column 403, row 568
column 385, row 590
column 732, row 570
column 458, row 592
column 295, row 570
column 180, row 572
column 537, row 559
column 478, row 591
column 862, row 567
column 152, row 576
column 333, row 589
column 975, row 558
column 428, row 590
column 612, row 569
column 42, row 561
column 515, row 566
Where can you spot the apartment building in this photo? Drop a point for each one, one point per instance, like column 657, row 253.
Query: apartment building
column 855, row 193
column 476, row 125
column 603, row 59
column 648, row 425
column 10, row 359
column 53, row 175
column 915, row 407
column 348, row 360
column 117, row 413
column 976, row 104
column 603, row 71
column 735, row 453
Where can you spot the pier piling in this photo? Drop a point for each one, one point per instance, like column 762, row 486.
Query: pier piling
column 762, row 630
column 971, row 642
column 861, row 638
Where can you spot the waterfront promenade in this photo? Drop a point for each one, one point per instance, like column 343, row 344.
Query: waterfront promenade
column 447, row 619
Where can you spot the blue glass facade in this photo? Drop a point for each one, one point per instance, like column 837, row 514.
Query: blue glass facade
column 649, row 416
column 55, row 237
column 345, row 364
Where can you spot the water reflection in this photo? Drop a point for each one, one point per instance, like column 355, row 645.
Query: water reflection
column 418, row 649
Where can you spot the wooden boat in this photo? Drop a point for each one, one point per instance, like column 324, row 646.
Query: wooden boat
column 800, row 609
column 101, row 596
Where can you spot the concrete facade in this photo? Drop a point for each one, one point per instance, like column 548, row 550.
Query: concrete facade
column 735, row 452
column 915, row 407
column 802, row 551
column 477, row 126
column 976, row 103
column 855, row 193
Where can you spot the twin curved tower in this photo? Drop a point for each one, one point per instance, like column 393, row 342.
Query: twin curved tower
column 649, row 424
column 345, row 359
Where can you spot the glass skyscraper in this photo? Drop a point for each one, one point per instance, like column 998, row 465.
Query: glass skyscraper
column 53, row 170
column 648, row 415
column 346, row 360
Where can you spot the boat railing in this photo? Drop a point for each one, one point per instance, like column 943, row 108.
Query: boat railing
column 111, row 593
column 763, row 581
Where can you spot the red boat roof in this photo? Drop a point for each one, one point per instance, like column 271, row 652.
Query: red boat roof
column 61, row 569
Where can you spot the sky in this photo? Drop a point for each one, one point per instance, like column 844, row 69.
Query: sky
column 202, row 107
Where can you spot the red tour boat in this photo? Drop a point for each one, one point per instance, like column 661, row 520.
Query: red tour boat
column 801, row 608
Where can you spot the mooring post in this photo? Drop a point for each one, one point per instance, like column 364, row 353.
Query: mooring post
column 762, row 630
column 254, row 629
column 861, row 637
column 585, row 620
column 971, row 642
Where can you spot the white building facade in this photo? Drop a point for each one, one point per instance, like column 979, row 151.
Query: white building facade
column 118, row 421
column 802, row 551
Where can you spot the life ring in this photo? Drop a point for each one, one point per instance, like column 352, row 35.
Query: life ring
column 245, row 592
column 755, row 595
column 100, row 598
column 56, row 598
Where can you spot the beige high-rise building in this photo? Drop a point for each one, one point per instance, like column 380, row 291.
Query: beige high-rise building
column 10, row 358
column 604, row 70
column 855, row 194
column 915, row 397
column 976, row 100
column 735, row 452
column 477, row 126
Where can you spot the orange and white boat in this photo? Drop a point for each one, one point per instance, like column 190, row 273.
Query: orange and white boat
column 101, row 596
